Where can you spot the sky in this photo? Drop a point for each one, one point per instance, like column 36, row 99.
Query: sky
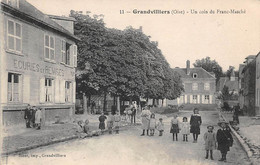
column 181, row 35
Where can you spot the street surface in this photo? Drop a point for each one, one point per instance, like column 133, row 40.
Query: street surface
column 129, row 148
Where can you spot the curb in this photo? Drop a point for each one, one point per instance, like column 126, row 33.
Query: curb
column 50, row 143
column 242, row 142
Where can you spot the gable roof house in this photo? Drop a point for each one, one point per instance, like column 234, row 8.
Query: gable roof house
column 199, row 85
column 38, row 60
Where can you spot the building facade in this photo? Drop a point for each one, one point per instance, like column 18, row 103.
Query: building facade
column 257, row 89
column 199, row 85
column 38, row 60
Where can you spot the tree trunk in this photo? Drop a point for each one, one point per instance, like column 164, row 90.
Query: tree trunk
column 118, row 104
column 84, row 103
column 89, row 104
column 153, row 102
column 162, row 102
column 105, row 102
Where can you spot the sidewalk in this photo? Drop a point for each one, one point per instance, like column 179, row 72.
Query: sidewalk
column 18, row 138
column 248, row 135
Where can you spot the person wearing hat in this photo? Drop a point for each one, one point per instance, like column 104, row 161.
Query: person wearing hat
column 160, row 127
column 224, row 139
column 210, row 141
column 195, row 122
column 28, row 114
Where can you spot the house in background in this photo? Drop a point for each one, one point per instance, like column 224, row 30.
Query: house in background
column 230, row 82
column 199, row 86
column 241, row 85
column 257, row 87
column 38, row 59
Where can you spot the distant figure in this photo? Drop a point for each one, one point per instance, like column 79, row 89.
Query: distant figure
column 117, row 122
column 175, row 127
column 87, row 129
column 102, row 119
column 152, row 124
column 236, row 114
column 134, row 109
column 28, row 114
column 185, row 128
column 195, row 122
column 93, row 106
column 110, row 121
column 160, row 127
column 33, row 116
column 210, row 141
column 145, row 115
column 38, row 118
column 224, row 139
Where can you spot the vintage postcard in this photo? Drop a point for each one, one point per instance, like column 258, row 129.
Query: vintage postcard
column 110, row 82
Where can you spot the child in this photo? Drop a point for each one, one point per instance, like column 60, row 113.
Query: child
column 110, row 121
column 195, row 122
column 210, row 142
column 185, row 128
column 87, row 129
column 174, row 127
column 117, row 122
column 152, row 124
column 80, row 129
column 224, row 139
column 38, row 118
column 102, row 119
column 160, row 127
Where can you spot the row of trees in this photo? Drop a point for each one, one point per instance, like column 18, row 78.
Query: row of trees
column 122, row 63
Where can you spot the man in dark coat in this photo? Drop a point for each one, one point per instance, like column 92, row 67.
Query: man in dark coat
column 133, row 115
column 224, row 139
column 28, row 114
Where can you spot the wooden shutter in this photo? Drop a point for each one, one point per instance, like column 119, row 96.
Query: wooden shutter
column 203, row 99
column 26, row 89
column 191, row 99
column 42, row 90
column 62, row 91
column 198, row 99
column 210, row 99
column 71, row 55
column 75, row 54
column 185, row 99
column 57, row 91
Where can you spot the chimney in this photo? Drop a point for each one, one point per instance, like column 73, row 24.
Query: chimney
column 188, row 67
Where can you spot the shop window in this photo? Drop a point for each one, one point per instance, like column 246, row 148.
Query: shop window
column 14, row 35
column 206, row 99
column 14, row 87
column 48, row 90
column 206, row 86
column 49, row 47
column 68, row 91
column 195, row 86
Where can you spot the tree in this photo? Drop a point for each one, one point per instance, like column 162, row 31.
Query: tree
column 210, row 66
column 226, row 94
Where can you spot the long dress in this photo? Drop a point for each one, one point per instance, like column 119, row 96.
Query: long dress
column 145, row 119
column 38, row 116
column 185, row 128
column 195, row 122
column 152, row 123
column 117, row 122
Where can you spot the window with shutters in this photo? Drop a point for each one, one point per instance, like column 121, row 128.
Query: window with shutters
column 14, row 36
column 65, row 52
column 48, row 90
column 49, row 47
column 14, row 87
column 75, row 53
column 68, row 90
column 194, row 99
column 206, row 86
column 206, row 99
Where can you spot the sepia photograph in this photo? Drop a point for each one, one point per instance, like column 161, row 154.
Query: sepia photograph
column 113, row 82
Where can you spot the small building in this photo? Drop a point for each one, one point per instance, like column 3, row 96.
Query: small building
column 38, row 60
column 257, row 87
column 231, row 82
column 199, row 85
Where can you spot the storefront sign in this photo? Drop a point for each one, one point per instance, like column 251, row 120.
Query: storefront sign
column 37, row 68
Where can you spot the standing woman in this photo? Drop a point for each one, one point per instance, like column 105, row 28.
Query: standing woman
column 102, row 119
column 195, row 122
column 38, row 118
column 224, row 139
column 145, row 115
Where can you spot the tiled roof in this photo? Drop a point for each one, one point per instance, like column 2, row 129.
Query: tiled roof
column 202, row 73
column 29, row 10
column 225, row 81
